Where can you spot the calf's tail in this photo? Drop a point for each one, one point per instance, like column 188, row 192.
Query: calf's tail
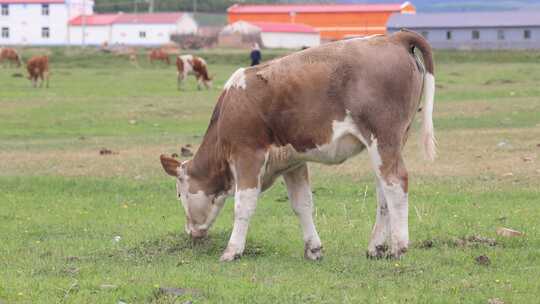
column 413, row 40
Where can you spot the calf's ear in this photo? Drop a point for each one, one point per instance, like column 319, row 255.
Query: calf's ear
column 170, row 165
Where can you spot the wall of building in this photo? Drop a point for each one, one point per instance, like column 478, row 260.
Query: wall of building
column 94, row 35
column 130, row 34
column 290, row 40
column 25, row 23
column 332, row 26
column 489, row 38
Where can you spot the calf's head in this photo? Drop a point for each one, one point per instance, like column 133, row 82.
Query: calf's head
column 201, row 207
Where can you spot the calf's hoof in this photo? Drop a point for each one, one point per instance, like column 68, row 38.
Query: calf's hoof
column 313, row 254
column 229, row 255
column 377, row 253
column 397, row 254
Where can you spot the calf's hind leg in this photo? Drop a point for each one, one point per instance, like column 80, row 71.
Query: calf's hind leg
column 392, row 181
column 379, row 236
column 302, row 203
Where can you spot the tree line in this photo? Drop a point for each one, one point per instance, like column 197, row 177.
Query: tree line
column 209, row 6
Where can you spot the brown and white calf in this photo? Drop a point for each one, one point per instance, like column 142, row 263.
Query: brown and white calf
column 192, row 65
column 38, row 69
column 10, row 55
column 159, row 55
column 324, row 104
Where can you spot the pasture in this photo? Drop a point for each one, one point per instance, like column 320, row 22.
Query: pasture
column 80, row 227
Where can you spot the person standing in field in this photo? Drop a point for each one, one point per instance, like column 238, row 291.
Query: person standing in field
column 255, row 54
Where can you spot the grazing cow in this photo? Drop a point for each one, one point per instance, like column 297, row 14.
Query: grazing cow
column 38, row 68
column 11, row 56
column 193, row 65
column 160, row 55
column 324, row 104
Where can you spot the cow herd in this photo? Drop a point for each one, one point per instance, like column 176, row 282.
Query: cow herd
column 38, row 66
column 324, row 104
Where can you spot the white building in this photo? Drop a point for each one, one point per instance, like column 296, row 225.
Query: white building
column 129, row 29
column 288, row 35
column 38, row 22
column 271, row 34
column 63, row 22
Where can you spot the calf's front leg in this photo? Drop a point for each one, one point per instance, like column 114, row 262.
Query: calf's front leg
column 301, row 200
column 248, row 171
column 245, row 202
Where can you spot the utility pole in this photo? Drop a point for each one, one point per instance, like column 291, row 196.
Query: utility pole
column 150, row 6
column 83, row 42
column 194, row 7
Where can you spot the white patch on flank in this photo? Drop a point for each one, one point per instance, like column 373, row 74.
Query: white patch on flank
column 343, row 144
column 429, row 142
column 237, row 80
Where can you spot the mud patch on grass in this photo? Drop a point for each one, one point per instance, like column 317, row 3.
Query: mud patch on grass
column 498, row 81
column 473, row 241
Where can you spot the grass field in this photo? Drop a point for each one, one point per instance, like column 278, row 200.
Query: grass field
column 80, row 227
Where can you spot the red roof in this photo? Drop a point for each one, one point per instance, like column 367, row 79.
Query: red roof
column 157, row 18
column 274, row 27
column 101, row 19
column 107, row 19
column 31, row 1
column 315, row 8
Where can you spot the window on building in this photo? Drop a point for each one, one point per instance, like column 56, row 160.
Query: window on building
column 45, row 32
column 527, row 34
column 142, row 34
column 448, row 35
column 45, row 9
column 5, row 32
column 500, row 35
column 475, row 35
column 5, row 9
column 425, row 34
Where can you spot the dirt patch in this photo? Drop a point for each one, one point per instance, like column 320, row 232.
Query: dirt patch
column 474, row 241
column 169, row 294
column 466, row 241
column 186, row 152
column 483, row 260
column 498, row 81
column 105, row 151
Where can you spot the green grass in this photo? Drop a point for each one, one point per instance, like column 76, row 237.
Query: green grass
column 62, row 204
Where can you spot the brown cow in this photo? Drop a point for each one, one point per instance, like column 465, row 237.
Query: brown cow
column 160, row 55
column 38, row 68
column 11, row 56
column 192, row 65
column 324, row 104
